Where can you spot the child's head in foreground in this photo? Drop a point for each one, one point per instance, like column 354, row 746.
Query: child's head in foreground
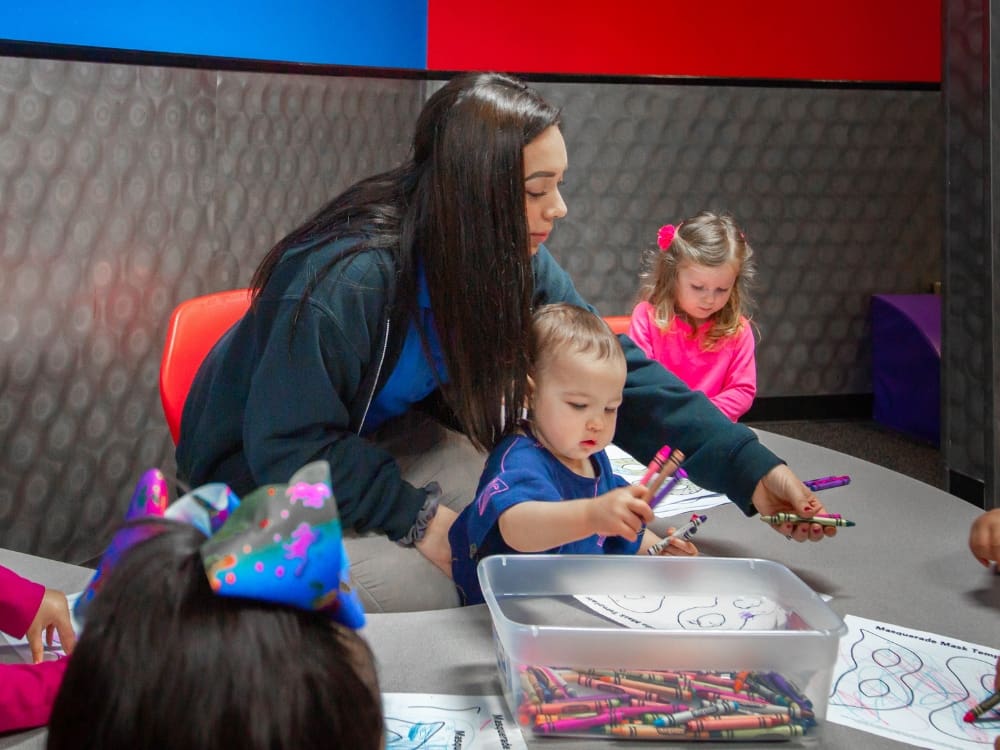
column 701, row 272
column 577, row 377
column 165, row 662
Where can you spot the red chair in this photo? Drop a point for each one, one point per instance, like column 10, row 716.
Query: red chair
column 195, row 325
column 618, row 323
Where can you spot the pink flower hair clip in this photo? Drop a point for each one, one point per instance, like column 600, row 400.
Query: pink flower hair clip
column 666, row 235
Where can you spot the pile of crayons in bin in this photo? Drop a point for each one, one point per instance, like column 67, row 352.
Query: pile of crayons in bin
column 663, row 705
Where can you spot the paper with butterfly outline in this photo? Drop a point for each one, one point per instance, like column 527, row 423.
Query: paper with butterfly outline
column 419, row 721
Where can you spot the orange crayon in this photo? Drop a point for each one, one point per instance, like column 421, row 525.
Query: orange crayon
column 742, row 721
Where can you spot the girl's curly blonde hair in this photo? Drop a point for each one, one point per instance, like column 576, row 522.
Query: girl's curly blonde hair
column 707, row 239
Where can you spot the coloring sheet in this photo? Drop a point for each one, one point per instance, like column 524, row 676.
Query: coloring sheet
column 912, row 686
column 448, row 722
column 684, row 499
column 678, row 612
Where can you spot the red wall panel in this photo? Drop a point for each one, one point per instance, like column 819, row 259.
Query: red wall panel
column 849, row 40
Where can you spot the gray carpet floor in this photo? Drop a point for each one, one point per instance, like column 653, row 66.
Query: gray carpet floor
column 870, row 441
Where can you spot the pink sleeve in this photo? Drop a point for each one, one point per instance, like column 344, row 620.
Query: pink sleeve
column 27, row 692
column 639, row 327
column 19, row 601
column 740, row 386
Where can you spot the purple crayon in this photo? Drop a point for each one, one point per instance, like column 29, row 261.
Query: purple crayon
column 668, row 487
column 826, row 483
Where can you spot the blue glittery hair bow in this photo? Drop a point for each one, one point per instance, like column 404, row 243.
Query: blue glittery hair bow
column 282, row 543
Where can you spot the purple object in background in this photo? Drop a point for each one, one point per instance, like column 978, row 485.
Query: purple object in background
column 906, row 363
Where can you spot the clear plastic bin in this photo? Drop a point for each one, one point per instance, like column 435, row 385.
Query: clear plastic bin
column 664, row 648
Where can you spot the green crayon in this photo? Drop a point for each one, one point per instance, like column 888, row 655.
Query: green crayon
column 779, row 518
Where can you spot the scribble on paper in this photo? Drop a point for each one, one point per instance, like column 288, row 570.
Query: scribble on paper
column 911, row 686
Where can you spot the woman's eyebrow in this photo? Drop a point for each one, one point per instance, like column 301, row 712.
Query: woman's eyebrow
column 533, row 175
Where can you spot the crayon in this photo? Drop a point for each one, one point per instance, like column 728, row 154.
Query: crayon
column 668, row 487
column 671, row 465
column 826, row 483
column 654, row 687
column 536, row 686
column 655, row 465
column 722, row 680
column 685, row 532
column 740, row 721
column 789, row 688
column 983, row 707
column 779, row 518
column 573, row 724
column 682, row 717
column 712, row 693
column 574, row 706
column 755, row 686
column 794, row 710
column 549, row 718
column 782, row 732
column 645, row 731
column 528, row 688
column 740, row 681
column 563, row 685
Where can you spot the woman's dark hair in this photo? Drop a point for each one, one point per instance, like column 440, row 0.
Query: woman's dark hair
column 458, row 205
column 165, row 663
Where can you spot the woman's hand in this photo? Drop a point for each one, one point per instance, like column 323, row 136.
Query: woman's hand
column 435, row 546
column 52, row 617
column 781, row 491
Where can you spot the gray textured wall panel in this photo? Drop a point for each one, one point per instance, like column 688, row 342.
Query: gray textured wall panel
column 839, row 192
column 966, row 325
column 126, row 189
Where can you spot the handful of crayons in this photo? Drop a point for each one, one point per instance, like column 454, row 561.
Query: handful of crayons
column 661, row 704
column 665, row 465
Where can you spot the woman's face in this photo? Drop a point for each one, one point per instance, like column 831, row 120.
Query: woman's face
column 544, row 166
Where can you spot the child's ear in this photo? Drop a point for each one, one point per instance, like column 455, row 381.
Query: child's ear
column 528, row 398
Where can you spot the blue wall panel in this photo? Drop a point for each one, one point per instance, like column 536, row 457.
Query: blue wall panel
column 375, row 33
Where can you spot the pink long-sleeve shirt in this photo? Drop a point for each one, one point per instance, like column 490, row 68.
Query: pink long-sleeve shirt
column 27, row 691
column 727, row 375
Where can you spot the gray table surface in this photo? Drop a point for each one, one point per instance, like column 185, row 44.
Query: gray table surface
column 906, row 563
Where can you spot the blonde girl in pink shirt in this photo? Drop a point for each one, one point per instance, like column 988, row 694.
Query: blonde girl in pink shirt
column 690, row 317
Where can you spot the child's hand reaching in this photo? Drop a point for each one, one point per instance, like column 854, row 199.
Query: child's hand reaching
column 621, row 512
column 984, row 537
column 52, row 617
column 676, row 548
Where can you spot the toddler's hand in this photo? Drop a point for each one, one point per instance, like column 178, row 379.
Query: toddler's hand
column 52, row 617
column 621, row 512
column 678, row 547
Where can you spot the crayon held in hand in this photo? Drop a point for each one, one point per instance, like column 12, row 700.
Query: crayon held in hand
column 780, row 518
column 685, row 532
column 655, row 465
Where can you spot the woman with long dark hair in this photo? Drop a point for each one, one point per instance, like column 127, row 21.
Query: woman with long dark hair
column 389, row 336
